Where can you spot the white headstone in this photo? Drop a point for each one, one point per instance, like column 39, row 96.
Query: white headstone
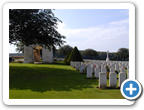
column 82, row 67
column 71, row 63
column 112, row 78
column 122, row 76
column 77, row 66
column 102, row 78
column 88, row 65
column 89, row 73
column 96, row 72
column 127, row 73
column 103, row 70
column 117, row 68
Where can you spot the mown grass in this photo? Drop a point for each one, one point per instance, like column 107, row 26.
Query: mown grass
column 54, row 81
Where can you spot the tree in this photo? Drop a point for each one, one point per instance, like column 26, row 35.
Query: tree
column 67, row 56
column 74, row 56
column 102, row 55
column 90, row 53
column 34, row 26
column 20, row 47
column 65, row 50
column 122, row 53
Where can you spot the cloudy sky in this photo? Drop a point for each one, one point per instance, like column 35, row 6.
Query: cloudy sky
column 98, row 29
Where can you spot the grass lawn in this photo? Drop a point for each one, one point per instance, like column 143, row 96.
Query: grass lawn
column 54, row 81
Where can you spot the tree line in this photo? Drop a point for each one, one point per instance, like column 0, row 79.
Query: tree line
column 122, row 54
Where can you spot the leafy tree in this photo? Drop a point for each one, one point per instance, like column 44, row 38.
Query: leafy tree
column 65, row 50
column 34, row 26
column 122, row 53
column 90, row 53
column 74, row 56
column 20, row 47
column 102, row 55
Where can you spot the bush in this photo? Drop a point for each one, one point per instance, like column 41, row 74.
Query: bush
column 107, row 75
column 116, row 71
column 74, row 56
column 107, row 68
column 11, row 59
column 54, row 59
column 67, row 56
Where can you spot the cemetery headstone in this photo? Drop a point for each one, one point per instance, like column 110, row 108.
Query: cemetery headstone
column 117, row 68
column 102, row 78
column 128, row 73
column 89, row 72
column 112, row 78
column 77, row 66
column 82, row 67
column 96, row 72
column 122, row 76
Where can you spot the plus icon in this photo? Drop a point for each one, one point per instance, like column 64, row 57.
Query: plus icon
column 131, row 89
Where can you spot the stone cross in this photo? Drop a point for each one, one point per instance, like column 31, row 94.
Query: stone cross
column 107, row 59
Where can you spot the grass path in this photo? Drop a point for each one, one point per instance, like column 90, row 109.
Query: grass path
column 54, row 81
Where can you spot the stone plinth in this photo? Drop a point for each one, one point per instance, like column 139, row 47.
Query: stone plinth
column 28, row 54
column 32, row 54
column 47, row 56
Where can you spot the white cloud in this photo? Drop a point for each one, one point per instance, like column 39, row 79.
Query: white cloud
column 124, row 12
column 120, row 23
column 110, row 37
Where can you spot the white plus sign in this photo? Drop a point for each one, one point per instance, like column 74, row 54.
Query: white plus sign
column 131, row 89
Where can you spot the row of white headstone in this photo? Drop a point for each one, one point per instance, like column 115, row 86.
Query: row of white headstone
column 101, row 73
column 82, row 65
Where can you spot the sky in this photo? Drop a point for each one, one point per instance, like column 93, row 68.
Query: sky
column 98, row 29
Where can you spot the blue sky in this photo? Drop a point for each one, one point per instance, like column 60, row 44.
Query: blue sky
column 98, row 29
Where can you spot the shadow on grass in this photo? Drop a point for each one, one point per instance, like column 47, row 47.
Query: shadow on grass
column 54, row 63
column 41, row 79
column 109, row 88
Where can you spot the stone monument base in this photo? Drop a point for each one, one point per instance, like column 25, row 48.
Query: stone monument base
column 107, row 59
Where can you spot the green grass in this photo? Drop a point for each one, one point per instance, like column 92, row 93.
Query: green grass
column 54, row 81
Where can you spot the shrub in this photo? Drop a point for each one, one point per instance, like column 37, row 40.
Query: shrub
column 107, row 75
column 116, row 71
column 107, row 68
column 67, row 56
column 74, row 56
